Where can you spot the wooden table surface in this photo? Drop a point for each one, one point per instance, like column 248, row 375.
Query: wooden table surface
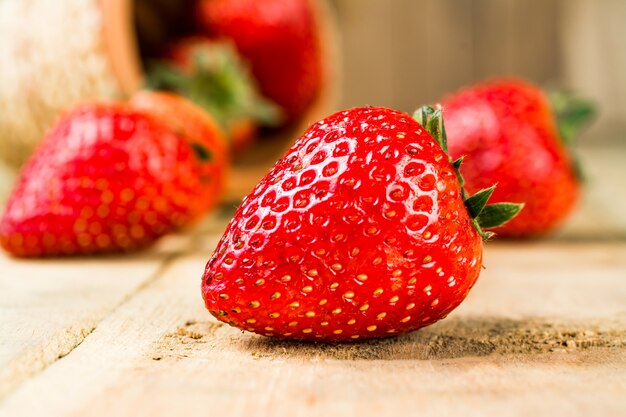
column 543, row 333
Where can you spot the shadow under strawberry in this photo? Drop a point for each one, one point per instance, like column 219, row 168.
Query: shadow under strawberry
column 454, row 339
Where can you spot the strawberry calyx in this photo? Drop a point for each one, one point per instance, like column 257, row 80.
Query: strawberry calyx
column 484, row 216
column 218, row 81
column 573, row 113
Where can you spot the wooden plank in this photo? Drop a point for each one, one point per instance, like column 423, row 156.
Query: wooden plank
column 543, row 332
column 48, row 307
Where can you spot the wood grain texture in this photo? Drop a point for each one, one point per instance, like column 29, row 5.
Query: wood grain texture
column 410, row 53
column 405, row 53
column 593, row 50
column 47, row 308
column 543, row 332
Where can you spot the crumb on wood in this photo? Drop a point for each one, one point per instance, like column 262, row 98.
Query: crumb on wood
column 187, row 337
column 457, row 338
column 182, row 331
column 448, row 339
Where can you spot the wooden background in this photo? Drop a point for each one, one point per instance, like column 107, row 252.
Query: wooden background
column 402, row 53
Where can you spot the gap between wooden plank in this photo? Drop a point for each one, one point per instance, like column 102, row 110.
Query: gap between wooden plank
column 43, row 353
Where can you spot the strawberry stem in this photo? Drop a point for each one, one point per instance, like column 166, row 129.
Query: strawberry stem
column 476, row 203
column 431, row 119
column 485, row 216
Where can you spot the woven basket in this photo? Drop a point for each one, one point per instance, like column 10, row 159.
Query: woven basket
column 56, row 53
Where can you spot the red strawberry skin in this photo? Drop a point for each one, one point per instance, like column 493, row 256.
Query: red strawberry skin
column 508, row 134
column 281, row 41
column 360, row 231
column 106, row 178
column 196, row 127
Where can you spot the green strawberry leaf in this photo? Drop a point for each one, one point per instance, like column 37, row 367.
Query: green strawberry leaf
column 497, row 214
column 164, row 77
column 573, row 113
column 485, row 216
column 476, row 203
column 457, row 163
column 218, row 82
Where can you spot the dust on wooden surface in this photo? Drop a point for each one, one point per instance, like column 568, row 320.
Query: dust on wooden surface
column 449, row 339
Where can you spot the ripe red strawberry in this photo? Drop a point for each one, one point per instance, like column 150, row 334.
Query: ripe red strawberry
column 507, row 131
column 113, row 177
column 212, row 75
column 280, row 39
column 360, row 231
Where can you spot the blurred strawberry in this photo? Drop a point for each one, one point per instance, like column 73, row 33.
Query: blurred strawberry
column 111, row 177
column 280, row 39
column 199, row 129
column 212, row 75
column 508, row 133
